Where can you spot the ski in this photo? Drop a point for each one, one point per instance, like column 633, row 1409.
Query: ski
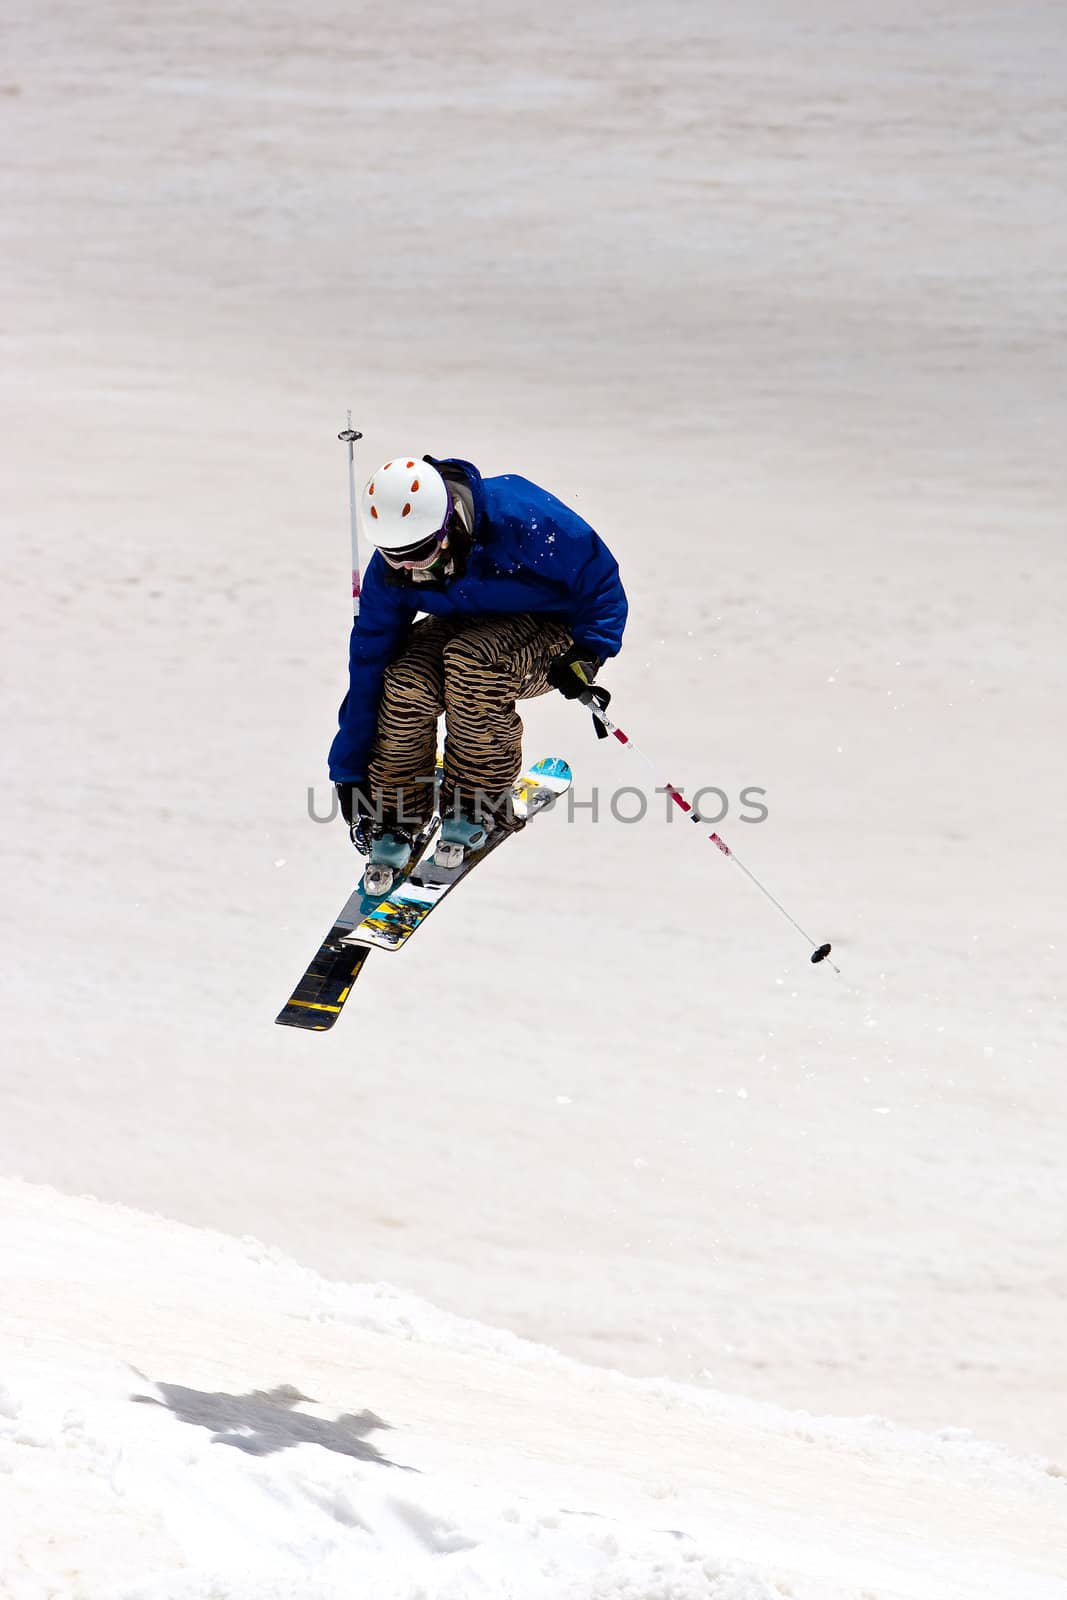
column 365, row 922
column 316, row 1002
column 392, row 921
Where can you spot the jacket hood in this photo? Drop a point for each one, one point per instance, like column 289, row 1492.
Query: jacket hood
column 453, row 470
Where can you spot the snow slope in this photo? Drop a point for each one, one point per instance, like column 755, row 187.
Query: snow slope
column 185, row 1415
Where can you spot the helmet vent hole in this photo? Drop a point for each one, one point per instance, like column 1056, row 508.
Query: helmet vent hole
column 407, row 509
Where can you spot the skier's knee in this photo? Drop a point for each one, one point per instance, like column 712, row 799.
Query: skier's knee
column 412, row 685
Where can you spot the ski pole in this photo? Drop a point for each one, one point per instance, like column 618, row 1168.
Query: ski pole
column 596, row 699
column 349, row 437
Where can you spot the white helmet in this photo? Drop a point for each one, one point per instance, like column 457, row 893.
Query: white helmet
column 405, row 503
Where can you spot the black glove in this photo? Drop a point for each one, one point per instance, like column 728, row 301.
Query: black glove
column 573, row 671
column 357, row 810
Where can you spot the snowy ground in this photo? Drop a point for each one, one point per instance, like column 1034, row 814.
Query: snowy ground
column 776, row 298
column 186, row 1415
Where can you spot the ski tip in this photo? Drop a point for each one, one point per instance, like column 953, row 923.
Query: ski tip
column 553, row 767
column 821, row 953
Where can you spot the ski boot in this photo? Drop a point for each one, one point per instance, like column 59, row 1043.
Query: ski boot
column 458, row 838
column 390, row 853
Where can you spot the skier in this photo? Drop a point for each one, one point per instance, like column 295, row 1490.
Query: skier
column 517, row 591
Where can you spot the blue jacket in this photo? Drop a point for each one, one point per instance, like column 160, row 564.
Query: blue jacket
column 529, row 553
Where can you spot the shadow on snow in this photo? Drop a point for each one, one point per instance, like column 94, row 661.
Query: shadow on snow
column 264, row 1421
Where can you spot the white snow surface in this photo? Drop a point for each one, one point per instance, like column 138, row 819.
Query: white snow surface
column 188, row 1415
column 773, row 295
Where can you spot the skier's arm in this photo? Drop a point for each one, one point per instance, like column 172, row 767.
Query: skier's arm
column 378, row 635
column 598, row 608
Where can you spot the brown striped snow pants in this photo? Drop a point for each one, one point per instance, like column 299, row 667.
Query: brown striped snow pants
column 472, row 670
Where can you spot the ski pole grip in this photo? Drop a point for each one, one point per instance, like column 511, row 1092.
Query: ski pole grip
column 597, row 699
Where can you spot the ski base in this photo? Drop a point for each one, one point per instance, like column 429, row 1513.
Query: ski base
column 315, row 1004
